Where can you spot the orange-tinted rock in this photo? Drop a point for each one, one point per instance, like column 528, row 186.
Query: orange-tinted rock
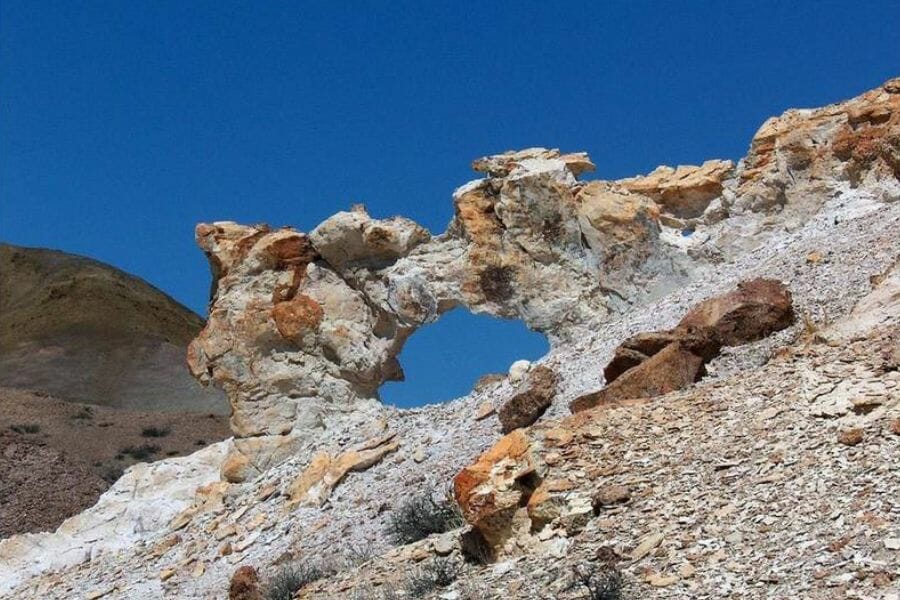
column 314, row 485
column 491, row 490
column 297, row 316
column 529, row 404
column 245, row 584
column 685, row 191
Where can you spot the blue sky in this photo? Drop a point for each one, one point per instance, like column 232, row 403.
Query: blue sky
column 122, row 124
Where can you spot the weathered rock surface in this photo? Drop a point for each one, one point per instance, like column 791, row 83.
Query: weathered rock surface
column 535, row 395
column 685, row 191
column 754, row 310
column 303, row 329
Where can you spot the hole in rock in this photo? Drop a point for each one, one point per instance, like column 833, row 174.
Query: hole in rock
column 443, row 360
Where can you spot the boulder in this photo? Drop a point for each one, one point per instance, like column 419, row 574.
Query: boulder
column 495, row 486
column 244, row 584
column 535, row 395
column 751, row 312
column 672, row 368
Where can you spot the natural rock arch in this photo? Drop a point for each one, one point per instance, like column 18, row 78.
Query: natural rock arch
column 306, row 326
column 303, row 328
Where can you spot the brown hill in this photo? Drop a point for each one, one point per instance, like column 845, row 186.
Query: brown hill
column 84, row 331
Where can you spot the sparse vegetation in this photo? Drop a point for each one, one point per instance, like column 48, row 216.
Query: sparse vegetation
column 85, row 413
column 437, row 573
column 111, row 473
column 156, row 432
column 26, row 428
column 601, row 581
column 496, row 282
column 289, row 579
column 142, row 452
column 421, row 516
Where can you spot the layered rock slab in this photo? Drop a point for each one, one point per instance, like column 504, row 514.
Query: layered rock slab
column 656, row 363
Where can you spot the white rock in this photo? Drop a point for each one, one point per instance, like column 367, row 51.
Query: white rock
column 518, row 369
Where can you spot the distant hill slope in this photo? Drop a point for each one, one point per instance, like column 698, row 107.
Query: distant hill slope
column 87, row 332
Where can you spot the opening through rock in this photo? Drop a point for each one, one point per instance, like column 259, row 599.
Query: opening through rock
column 442, row 361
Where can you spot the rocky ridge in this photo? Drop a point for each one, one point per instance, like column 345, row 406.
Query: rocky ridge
column 705, row 491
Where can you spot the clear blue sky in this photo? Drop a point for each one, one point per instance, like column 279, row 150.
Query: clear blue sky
column 122, row 124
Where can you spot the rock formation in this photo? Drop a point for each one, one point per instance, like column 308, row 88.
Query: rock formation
column 772, row 476
column 305, row 326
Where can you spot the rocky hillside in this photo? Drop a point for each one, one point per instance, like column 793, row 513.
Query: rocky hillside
column 83, row 331
column 718, row 416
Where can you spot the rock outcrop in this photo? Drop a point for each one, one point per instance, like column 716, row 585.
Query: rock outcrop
column 720, row 485
column 304, row 328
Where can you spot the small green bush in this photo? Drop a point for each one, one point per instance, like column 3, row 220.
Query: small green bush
column 437, row 573
column 290, row 579
column 421, row 516
column 27, row 428
column 142, row 452
column 156, row 432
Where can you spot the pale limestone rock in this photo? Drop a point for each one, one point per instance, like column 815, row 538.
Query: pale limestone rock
column 142, row 502
column 685, row 191
column 518, row 369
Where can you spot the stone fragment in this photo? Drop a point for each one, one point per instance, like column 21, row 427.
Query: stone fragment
column 489, row 380
column 646, row 545
column 850, row 437
column 443, row 544
column 660, row 580
column 485, row 410
column 245, row 584
column 610, row 495
column 314, row 485
column 518, row 370
column 534, row 396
